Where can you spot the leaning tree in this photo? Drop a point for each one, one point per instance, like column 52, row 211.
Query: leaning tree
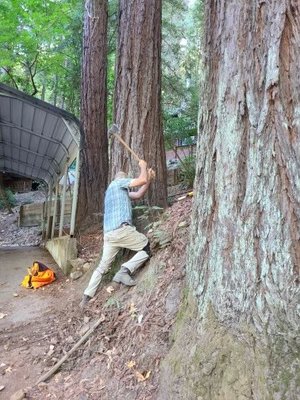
column 236, row 334
column 93, row 155
column 137, row 101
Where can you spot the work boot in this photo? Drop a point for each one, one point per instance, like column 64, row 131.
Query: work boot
column 84, row 301
column 124, row 277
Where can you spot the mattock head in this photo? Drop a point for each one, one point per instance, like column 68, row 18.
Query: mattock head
column 113, row 129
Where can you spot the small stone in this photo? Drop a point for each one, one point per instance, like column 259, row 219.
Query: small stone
column 70, row 339
column 2, row 369
column 75, row 275
column 183, row 224
column 51, row 350
column 2, row 387
column 86, row 266
column 15, row 295
column 42, row 385
column 77, row 263
column 53, row 340
column 84, row 330
column 19, row 395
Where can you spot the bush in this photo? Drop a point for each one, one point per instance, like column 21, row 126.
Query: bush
column 187, row 170
column 10, row 199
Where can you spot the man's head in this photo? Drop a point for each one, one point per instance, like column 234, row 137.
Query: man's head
column 120, row 175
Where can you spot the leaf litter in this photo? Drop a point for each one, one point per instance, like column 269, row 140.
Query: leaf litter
column 121, row 359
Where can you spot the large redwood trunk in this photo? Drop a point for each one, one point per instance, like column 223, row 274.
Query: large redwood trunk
column 94, row 154
column 236, row 335
column 138, row 93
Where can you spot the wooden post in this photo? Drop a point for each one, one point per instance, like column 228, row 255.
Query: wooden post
column 63, row 202
column 75, row 197
column 55, row 210
column 49, row 209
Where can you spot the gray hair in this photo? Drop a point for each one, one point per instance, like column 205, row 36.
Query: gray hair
column 120, row 175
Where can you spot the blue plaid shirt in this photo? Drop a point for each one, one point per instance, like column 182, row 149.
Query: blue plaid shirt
column 117, row 204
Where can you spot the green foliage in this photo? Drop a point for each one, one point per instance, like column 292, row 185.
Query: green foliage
column 182, row 27
column 9, row 200
column 40, row 49
column 188, row 170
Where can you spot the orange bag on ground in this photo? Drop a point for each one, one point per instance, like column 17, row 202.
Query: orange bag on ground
column 38, row 275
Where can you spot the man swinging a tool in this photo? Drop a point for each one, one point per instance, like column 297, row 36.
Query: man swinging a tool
column 118, row 229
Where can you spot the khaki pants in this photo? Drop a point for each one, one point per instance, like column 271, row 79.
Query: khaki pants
column 125, row 237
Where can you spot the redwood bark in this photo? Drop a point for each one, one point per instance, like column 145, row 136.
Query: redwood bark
column 138, row 93
column 94, row 143
column 244, row 255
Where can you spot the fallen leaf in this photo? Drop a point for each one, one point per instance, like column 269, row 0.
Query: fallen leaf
column 110, row 289
column 51, row 350
column 132, row 308
column 140, row 377
column 140, row 318
column 131, row 364
column 2, row 315
column 8, row 370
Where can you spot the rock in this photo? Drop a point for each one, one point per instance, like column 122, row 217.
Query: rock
column 53, row 340
column 84, row 329
column 183, row 224
column 173, row 301
column 70, row 339
column 42, row 385
column 86, row 266
column 75, row 275
column 2, row 368
column 2, row 387
column 51, row 350
column 77, row 263
column 163, row 238
column 19, row 395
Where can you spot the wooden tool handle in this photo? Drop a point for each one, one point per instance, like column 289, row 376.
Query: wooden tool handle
column 127, row 147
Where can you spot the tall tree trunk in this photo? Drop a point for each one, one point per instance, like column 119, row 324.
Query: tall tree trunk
column 94, row 157
column 237, row 339
column 138, row 93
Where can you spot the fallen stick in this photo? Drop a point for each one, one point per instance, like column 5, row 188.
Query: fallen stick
column 75, row 347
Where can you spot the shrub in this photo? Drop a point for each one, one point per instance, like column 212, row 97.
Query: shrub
column 9, row 199
column 187, row 170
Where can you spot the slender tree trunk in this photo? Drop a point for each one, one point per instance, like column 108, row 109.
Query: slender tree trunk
column 138, row 93
column 94, row 158
column 240, row 323
column 55, row 91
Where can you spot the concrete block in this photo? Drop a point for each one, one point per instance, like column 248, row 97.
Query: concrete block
column 63, row 249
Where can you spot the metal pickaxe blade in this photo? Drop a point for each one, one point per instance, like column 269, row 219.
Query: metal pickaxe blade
column 114, row 130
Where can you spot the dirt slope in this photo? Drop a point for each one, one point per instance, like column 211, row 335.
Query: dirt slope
column 121, row 359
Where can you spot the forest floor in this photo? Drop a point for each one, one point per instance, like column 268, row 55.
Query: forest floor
column 121, row 358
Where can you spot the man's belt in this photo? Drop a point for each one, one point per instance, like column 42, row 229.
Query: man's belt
column 125, row 224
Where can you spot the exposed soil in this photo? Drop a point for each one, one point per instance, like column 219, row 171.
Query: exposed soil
column 121, row 358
